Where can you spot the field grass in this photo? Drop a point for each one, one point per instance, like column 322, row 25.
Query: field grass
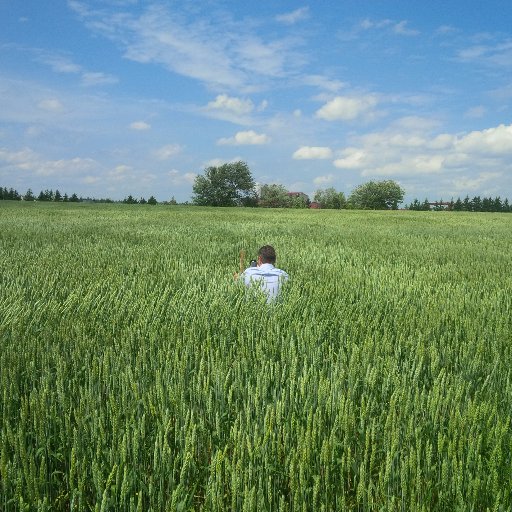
column 137, row 375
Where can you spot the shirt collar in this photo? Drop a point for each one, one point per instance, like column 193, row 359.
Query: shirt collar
column 266, row 266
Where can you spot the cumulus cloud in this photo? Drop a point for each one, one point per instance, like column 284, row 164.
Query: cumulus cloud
column 323, row 180
column 90, row 180
column 323, row 82
column 29, row 161
column 497, row 141
column 406, row 153
column 140, row 126
column 469, row 184
column 167, row 151
column 179, row 178
column 216, row 162
column 225, row 103
column 249, row 138
column 352, row 158
column 346, row 108
column 312, row 153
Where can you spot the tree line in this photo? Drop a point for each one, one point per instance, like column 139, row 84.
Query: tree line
column 49, row 195
column 476, row 204
column 232, row 184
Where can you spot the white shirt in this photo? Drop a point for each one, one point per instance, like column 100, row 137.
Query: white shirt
column 268, row 277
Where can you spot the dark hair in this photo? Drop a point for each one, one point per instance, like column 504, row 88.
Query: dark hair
column 268, row 254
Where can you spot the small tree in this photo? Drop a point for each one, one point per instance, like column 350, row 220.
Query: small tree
column 152, row 200
column 230, row 184
column 274, row 196
column 330, row 198
column 377, row 195
column 29, row 195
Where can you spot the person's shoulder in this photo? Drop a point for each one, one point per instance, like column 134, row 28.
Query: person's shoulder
column 281, row 272
column 250, row 271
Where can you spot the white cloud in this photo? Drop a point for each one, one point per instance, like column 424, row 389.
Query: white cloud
column 324, row 83
column 167, row 151
column 475, row 112
column 262, row 106
column 215, row 49
column 468, row 184
column 368, row 24
column 236, row 106
column 498, row 54
column 140, row 126
column 120, row 170
column 178, row 178
column 30, row 161
column 323, row 180
column 250, row 138
column 312, row 153
column 352, row 158
column 51, row 105
column 402, row 29
column 293, row 17
column 57, row 62
column 400, row 152
column 90, row 180
column 347, row 108
column 92, row 79
column 399, row 28
column 495, row 141
column 216, row 162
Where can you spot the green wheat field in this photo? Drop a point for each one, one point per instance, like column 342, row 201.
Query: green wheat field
column 136, row 374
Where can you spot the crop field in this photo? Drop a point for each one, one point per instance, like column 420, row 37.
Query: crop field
column 136, row 374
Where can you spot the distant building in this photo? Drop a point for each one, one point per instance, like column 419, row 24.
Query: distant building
column 440, row 205
column 298, row 194
column 315, row 205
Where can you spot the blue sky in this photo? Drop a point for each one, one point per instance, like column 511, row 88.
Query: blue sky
column 116, row 97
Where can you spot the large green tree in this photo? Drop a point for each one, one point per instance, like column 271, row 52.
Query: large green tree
column 377, row 195
column 230, row 184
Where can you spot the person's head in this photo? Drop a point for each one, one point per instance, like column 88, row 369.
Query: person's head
column 266, row 254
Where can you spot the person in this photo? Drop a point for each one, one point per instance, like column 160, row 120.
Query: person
column 269, row 278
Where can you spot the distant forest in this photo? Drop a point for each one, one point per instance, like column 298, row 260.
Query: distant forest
column 57, row 197
column 475, row 204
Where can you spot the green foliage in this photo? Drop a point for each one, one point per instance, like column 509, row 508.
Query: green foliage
column 130, row 200
column 273, row 196
column 137, row 375
column 29, row 195
column 477, row 204
column 377, row 195
column 330, row 198
column 230, row 184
